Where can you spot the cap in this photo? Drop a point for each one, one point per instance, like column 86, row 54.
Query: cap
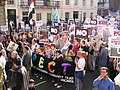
column 31, row 81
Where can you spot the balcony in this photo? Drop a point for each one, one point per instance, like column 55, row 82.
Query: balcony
column 49, row 4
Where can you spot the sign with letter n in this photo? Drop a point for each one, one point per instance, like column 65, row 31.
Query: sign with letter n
column 81, row 33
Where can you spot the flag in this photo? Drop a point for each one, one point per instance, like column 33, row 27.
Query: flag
column 55, row 17
column 31, row 10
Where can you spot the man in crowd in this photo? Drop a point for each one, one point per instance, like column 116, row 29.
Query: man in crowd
column 103, row 56
column 27, row 59
column 3, row 75
column 103, row 82
column 17, row 77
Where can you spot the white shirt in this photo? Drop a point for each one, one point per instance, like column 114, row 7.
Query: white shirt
column 3, row 61
column 81, row 64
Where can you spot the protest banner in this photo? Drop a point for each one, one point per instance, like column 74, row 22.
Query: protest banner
column 114, row 46
column 81, row 33
column 64, row 70
column 12, row 46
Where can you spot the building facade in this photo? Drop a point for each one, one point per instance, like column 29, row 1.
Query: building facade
column 2, row 12
column 17, row 10
column 103, row 7
column 114, row 5
column 107, row 6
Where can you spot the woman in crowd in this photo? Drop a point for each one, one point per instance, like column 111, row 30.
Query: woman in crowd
column 69, row 54
column 79, row 70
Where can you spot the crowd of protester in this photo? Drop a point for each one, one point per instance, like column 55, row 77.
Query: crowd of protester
column 16, row 64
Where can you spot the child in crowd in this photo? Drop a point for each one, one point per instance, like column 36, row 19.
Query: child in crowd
column 31, row 85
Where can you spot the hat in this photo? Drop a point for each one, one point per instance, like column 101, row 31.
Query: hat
column 31, row 81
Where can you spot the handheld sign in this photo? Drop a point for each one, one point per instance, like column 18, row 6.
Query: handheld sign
column 54, row 31
column 81, row 33
column 12, row 46
column 114, row 46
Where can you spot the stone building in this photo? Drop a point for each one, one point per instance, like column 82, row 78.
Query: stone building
column 2, row 12
column 17, row 10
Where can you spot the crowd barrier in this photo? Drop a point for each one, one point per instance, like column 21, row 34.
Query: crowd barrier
column 63, row 70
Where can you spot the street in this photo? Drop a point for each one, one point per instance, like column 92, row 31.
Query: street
column 45, row 82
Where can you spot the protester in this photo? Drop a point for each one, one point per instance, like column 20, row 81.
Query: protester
column 59, row 56
column 69, row 54
column 91, row 55
column 17, row 77
column 52, row 52
column 31, row 85
column 3, row 75
column 27, row 59
column 103, row 56
column 34, row 44
column 79, row 70
column 15, row 56
column 75, row 45
column 103, row 82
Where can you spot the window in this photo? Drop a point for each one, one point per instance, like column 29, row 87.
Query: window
column 84, row 3
column 75, row 14
column 48, row 16
column 91, row 3
column 25, row 14
column 84, row 16
column 75, row 2
column 67, row 2
column 67, row 16
column 24, row 2
column 25, row 17
column 38, row 16
column 11, row 2
column 91, row 16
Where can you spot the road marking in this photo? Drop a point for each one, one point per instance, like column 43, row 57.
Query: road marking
column 40, row 83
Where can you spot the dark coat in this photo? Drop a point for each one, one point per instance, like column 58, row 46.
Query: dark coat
column 27, row 60
column 17, row 80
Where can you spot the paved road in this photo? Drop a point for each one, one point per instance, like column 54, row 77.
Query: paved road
column 45, row 82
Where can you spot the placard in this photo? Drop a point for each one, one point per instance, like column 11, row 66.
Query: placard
column 54, row 30
column 12, row 46
column 81, row 33
column 114, row 46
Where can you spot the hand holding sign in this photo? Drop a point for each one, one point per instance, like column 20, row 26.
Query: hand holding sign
column 12, row 46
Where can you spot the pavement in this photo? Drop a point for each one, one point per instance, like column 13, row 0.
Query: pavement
column 46, row 82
